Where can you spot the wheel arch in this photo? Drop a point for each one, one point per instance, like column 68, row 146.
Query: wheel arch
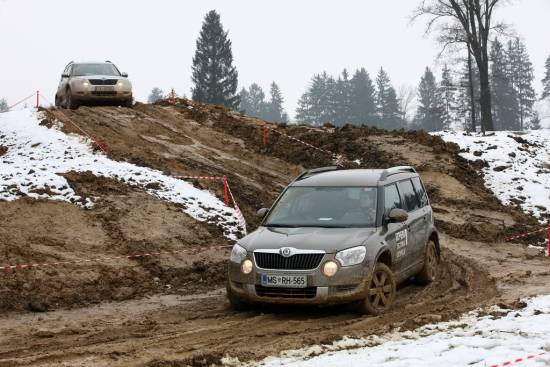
column 434, row 236
column 385, row 257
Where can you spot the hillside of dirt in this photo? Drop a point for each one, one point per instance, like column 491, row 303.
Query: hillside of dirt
column 171, row 310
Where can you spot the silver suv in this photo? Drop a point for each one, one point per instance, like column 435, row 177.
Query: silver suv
column 93, row 83
column 338, row 236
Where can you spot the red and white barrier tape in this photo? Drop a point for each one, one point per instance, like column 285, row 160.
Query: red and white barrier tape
column 199, row 177
column 518, row 360
column 96, row 141
column 227, row 192
column 8, row 268
column 21, row 101
column 523, row 235
column 299, row 141
column 240, row 216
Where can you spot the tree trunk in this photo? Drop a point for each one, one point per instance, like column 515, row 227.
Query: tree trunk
column 485, row 101
column 472, row 91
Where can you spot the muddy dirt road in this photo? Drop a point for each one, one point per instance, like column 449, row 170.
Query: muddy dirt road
column 172, row 311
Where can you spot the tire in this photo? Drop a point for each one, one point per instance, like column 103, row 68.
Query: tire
column 236, row 303
column 57, row 101
column 128, row 103
column 70, row 103
column 381, row 291
column 429, row 271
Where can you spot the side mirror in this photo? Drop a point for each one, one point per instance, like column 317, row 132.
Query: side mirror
column 262, row 212
column 398, row 216
column 124, row 75
column 64, row 75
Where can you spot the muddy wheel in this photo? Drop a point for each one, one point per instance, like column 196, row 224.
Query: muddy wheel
column 429, row 272
column 381, row 291
column 57, row 101
column 128, row 103
column 236, row 303
column 69, row 101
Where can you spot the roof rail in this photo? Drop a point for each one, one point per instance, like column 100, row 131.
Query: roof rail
column 395, row 170
column 315, row 171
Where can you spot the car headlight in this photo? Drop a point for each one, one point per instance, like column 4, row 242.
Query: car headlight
column 85, row 83
column 238, row 254
column 352, row 256
column 120, row 83
column 247, row 266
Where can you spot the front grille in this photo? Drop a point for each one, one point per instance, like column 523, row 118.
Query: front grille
column 267, row 260
column 103, row 81
column 104, row 93
column 308, row 292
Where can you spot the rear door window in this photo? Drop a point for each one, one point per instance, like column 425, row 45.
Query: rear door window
column 391, row 199
column 420, row 191
column 408, row 195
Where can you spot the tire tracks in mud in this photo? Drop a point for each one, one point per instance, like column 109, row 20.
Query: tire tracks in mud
column 206, row 328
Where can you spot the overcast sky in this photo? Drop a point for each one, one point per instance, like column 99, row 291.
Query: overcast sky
column 282, row 40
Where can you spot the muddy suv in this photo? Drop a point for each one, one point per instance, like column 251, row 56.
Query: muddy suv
column 93, row 83
column 338, row 236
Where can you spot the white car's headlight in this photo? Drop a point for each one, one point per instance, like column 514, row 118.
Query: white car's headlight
column 352, row 256
column 238, row 254
column 120, row 83
column 85, row 83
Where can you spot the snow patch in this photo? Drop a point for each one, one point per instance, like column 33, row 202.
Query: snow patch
column 37, row 156
column 474, row 340
column 518, row 169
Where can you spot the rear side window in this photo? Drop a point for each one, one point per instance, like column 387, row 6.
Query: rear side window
column 408, row 195
column 420, row 191
column 391, row 199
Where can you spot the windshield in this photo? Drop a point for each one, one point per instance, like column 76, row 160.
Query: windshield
column 325, row 207
column 95, row 69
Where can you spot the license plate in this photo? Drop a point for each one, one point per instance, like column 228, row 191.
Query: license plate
column 288, row 281
column 104, row 89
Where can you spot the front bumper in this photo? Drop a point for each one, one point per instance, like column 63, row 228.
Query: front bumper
column 95, row 93
column 347, row 285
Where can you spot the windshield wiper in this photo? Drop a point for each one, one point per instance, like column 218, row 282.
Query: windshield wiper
column 281, row 225
column 324, row 226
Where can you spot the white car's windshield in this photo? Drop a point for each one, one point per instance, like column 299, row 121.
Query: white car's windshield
column 325, row 207
column 95, row 69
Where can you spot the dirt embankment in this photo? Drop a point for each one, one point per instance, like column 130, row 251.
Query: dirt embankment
column 186, row 319
column 3, row 150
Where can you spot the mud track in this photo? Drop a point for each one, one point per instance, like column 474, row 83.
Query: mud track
column 172, row 311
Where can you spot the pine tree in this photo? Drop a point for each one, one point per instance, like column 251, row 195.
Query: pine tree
column 317, row 104
column 429, row 115
column 257, row 101
column 362, row 104
column 546, row 80
column 386, row 103
column 155, row 95
column 214, row 76
column 275, row 111
column 505, row 101
column 447, row 91
column 342, row 100
column 522, row 77
column 244, row 101
column 4, row 105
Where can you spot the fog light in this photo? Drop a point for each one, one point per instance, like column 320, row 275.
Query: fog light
column 330, row 268
column 246, row 266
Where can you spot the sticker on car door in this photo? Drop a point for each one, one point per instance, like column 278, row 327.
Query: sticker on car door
column 401, row 241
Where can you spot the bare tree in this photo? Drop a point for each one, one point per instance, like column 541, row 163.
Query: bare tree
column 470, row 22
column 406, row 96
